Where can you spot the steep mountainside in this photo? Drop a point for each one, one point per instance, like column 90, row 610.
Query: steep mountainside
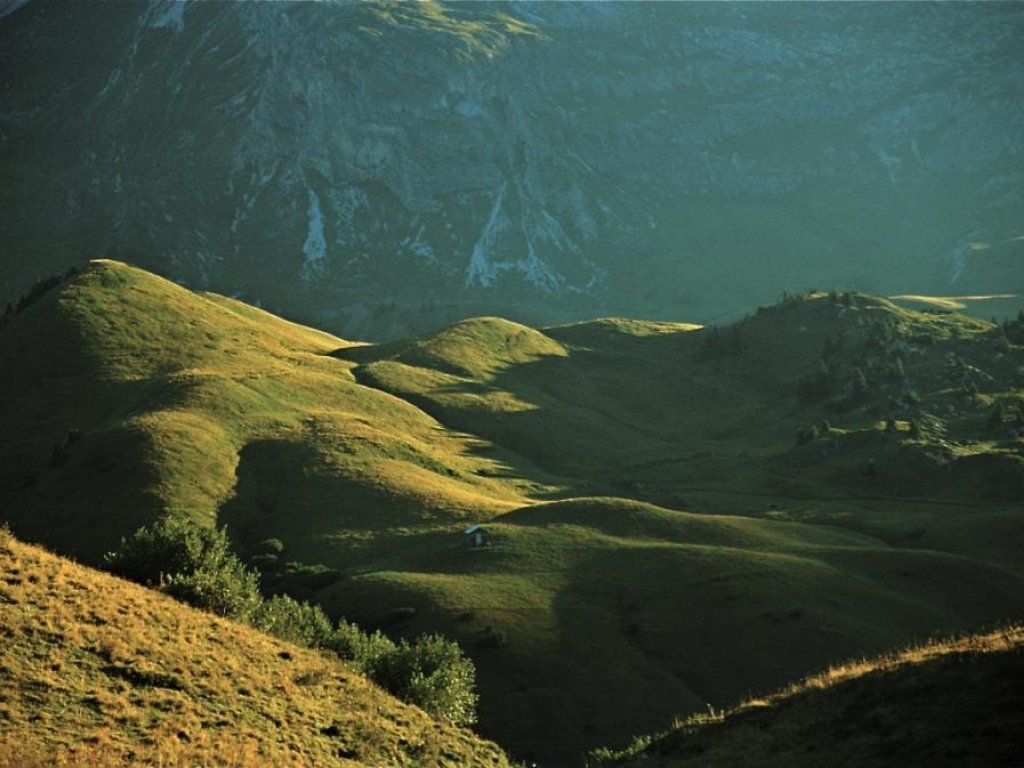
column 101, row 672
column 671, row 521
column 384, row 167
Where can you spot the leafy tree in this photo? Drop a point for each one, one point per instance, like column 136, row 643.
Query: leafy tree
column 170, row 545
column 227, row 589
column 192, row 562
column 362, row 650
column 434, row 674
column 288, row 619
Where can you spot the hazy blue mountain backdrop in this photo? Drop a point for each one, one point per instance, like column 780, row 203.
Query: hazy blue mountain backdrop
column 381, row 168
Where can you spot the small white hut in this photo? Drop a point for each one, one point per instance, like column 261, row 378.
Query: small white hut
column 475, row 536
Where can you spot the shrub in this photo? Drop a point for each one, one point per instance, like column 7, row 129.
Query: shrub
column 265, row 562
column 360, row 649
column 433, row 674
column 807, row 435
column 191, row 562
column 229, row 589
column 194, row 563
column 171, row 545
column 270, row 547
column 302, row 579
column 288, row 619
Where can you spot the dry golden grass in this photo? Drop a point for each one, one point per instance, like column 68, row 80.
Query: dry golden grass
column 100, row 672
column 951, row 702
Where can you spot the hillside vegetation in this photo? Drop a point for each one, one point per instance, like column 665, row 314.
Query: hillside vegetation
column 677, row 515
column 101, row 672
column 946, row 703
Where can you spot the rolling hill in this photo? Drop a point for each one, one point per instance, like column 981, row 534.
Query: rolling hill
column 101, row 672
column 678, row 515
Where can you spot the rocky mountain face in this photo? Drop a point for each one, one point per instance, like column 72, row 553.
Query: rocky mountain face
column 382, row 168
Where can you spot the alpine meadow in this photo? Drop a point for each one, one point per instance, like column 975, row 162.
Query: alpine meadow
column 511, row 384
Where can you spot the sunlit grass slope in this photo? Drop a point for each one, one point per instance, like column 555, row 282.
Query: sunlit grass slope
column 100, row 672
column 947, row 703
column 124, row 396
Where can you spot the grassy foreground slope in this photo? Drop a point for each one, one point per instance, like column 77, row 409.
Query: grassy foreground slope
column 951, row 703
column 101, row 672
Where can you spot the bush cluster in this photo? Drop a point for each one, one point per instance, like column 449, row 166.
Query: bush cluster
column 194, row 563
column 191, row 562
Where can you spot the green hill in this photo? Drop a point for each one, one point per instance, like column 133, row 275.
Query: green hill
column 672, row 407
column 101, row 672
column 151, row 398
column 949, row 703
column 672, row 523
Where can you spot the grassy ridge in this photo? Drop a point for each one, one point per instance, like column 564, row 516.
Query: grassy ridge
column 98, row 671
column 946, row 703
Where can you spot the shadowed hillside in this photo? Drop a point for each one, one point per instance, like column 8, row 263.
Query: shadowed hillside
column 953, row 703
column 831, row 383
column 100, row 672
column 676, row 515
